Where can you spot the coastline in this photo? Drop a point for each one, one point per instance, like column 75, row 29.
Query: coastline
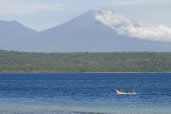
column 82, row 72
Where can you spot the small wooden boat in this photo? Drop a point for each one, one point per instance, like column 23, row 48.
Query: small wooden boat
column 125, row 93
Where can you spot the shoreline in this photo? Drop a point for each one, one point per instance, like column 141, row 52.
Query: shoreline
column 83, row 72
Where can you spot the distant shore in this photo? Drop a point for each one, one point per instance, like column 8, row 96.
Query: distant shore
column 108, row 62
column 84, row 72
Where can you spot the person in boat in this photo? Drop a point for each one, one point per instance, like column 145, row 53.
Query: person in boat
column 133, row 90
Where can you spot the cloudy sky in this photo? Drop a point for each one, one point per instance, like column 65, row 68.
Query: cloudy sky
column 43, row 14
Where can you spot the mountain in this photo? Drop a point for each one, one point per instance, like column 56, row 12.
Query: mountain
column 81, row 34
column 14, row 36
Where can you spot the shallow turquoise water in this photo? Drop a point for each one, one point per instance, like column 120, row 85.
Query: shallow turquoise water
column 85, row 92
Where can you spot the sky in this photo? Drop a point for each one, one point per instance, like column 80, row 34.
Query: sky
column 43, row 14
column 126, row 26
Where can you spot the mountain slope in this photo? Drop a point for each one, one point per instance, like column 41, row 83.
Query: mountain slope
column 86, row 34
column 82, row 34
column 14, row 36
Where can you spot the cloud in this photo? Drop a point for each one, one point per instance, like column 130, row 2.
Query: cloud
column 13, row 7
column 126, row 26
column 139, row 2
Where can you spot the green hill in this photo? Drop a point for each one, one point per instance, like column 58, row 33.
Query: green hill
column 11, row 61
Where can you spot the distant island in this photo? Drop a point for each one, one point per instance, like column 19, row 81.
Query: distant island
column 11, row 61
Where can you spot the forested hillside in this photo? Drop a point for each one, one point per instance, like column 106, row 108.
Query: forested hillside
column 11, row 61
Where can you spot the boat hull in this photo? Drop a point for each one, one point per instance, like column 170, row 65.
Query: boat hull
column 125, row 93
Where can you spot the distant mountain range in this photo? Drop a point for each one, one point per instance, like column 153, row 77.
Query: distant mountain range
column 81, row 34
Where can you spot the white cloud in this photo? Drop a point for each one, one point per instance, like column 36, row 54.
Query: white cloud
column 13, row 7
column 139, row 2
column 126, row 26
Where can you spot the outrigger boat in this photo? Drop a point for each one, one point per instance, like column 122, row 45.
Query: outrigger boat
column 125, row 93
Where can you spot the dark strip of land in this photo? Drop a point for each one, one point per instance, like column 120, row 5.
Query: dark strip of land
column 11, row 61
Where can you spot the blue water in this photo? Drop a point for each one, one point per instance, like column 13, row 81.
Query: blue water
column 85, row 92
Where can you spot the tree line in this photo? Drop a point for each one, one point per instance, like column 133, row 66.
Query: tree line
column 12, row 61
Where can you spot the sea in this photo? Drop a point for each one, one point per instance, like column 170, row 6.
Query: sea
column 84, row 93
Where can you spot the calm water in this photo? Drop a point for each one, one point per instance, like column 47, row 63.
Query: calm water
column 85, row 92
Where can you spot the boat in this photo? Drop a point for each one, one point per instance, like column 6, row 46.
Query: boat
column 120, row 92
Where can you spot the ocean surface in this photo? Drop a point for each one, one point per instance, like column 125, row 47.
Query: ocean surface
column 65, row 93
